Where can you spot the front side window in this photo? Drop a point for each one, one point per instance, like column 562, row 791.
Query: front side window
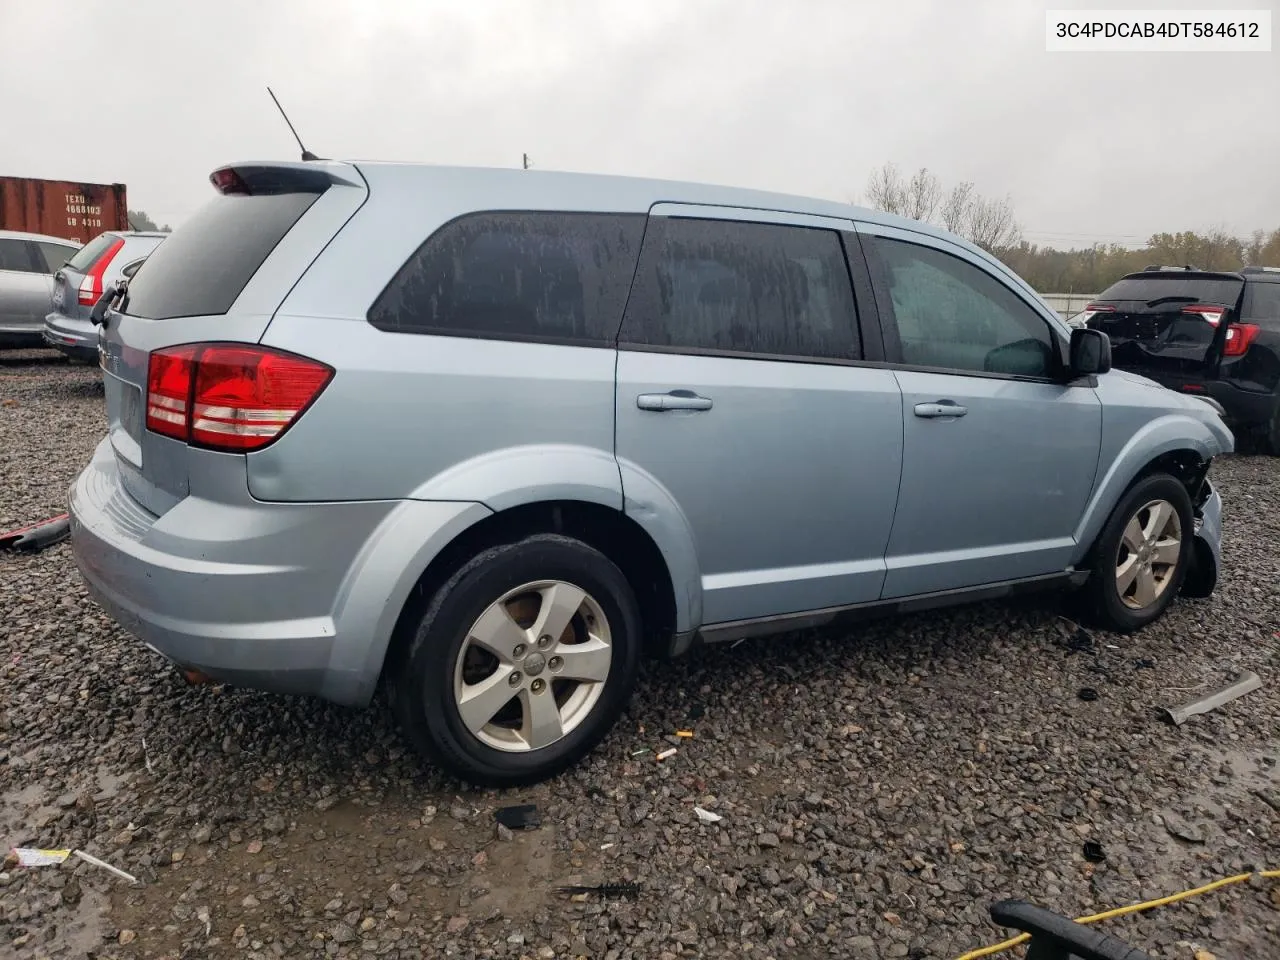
column 743, row 288
column 518, row 276
column 952, row 315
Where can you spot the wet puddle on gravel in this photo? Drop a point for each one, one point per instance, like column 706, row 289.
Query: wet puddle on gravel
column 343, row 874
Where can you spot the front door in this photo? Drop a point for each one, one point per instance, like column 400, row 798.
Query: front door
column 741, row 397
column 999, row 450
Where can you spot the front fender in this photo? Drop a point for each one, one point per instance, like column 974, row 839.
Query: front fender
column 1162, row 435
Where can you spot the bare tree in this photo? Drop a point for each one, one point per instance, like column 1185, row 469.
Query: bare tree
column 991, row 225
column 885, row 189
column 955, row 209
column 922, row 196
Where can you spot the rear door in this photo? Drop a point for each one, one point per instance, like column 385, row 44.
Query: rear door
column 1169, row 325
column 742, row 396
column 219, row 277
column 24, row 286
column 999, row 451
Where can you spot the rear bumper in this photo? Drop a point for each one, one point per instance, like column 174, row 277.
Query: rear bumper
column 75, row 338
column 1245, row 408
column 289, row 598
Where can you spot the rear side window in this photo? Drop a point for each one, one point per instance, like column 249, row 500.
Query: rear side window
column 517, row 276
column 1262, row 301
column 91, row 251
column 202, row 267
column 15, row 256
column 1169, row 289
column 760, row 289
column 55, row 254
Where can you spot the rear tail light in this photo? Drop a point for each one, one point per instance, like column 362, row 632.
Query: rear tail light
column 1212, row 313
column 1240, row 337
column 1091, row 309
column 91, row 285
column 233, row 397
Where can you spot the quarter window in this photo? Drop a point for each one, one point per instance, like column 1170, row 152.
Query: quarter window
column 743, row 288
column 954, row 316
column 517, row 276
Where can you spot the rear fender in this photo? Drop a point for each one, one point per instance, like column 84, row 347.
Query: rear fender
column 1167, row 434
column 541, row 473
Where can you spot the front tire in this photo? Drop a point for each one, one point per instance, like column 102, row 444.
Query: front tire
column 1142, row 556
column 521, row 664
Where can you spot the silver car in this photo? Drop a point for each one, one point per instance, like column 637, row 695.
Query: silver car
column 490, row 436
column 27, row 265
column 78, row 285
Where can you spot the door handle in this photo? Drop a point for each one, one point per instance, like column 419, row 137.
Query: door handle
column 675, row 400
column 940, row 408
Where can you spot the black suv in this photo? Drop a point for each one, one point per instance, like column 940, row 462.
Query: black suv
column 1201, row 332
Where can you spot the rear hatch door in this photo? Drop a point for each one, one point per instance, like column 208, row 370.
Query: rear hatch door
column 74, row 292
column 1168, row 325
column 219, row 277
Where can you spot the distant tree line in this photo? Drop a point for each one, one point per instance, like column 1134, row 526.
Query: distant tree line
column 138, row 220
column 991, row 224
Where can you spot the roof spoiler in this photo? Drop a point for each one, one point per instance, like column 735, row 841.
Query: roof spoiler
column 1157, row 268
column 262, row 178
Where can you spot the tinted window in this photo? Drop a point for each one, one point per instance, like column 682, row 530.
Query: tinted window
column 517, row 276
column 743, row 288
column 201, row 268
column 1192, row 289
column 56, row 254
column 1262, row 301
column 91, row 251
column 953, row 315
column 14, row 256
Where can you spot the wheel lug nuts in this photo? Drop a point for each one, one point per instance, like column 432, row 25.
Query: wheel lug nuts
column 518, row 652
column 538, row 686
column 515, row 678
column 544, row 641
column 556, row 663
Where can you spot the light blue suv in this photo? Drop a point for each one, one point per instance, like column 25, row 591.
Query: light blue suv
column 490, row 436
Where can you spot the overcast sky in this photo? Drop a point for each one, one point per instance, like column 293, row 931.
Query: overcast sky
column 805, row 96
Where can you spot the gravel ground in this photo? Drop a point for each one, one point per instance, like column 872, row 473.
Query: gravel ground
column 878, row 792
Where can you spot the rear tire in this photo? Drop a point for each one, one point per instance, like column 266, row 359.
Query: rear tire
column 521, row 664
column 1141, row 558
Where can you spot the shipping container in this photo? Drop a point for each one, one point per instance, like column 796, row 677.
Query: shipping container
column 62, row 208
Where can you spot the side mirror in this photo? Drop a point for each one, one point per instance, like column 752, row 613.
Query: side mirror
column 1090, row 352
column 98, row 315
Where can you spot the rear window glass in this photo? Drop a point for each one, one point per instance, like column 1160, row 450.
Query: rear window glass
column 517, row 276
column 1262, row 301
column 90, row 252
column 201, row 268
column 1191, row 289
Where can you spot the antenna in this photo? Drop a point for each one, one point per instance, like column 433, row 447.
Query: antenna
column 306, row 154
column 526, row 161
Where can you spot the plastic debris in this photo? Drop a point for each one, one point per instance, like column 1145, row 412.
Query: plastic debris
column 1093, row 852
column 1244, row 683
column 706, row 816
column 36, row 536
column 640, row 753
column 669, row 752
column 684, row 734
column 90, row 858
column 522, row 816
column 608, row 891
column 33, row 857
